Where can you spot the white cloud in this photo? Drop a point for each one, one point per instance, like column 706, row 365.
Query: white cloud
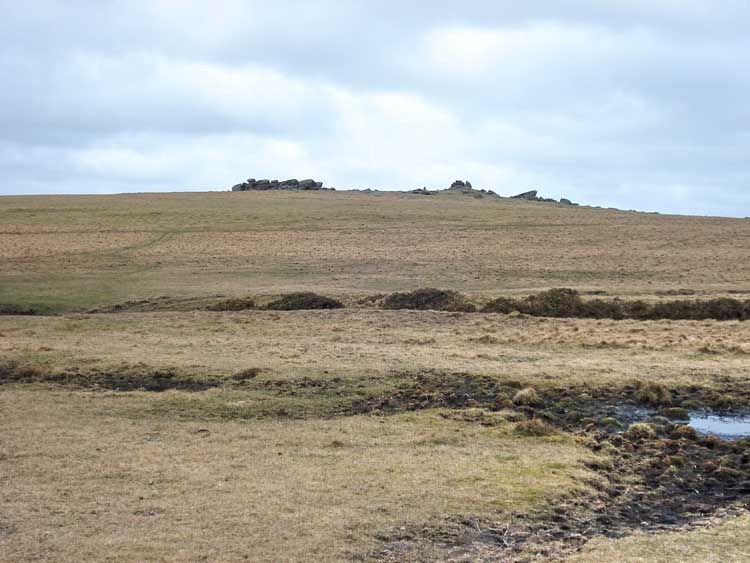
column 473, row 51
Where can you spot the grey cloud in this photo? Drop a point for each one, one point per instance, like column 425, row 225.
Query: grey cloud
column 636, row 104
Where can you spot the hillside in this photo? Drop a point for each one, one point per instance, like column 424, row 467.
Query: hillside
column 78, row 252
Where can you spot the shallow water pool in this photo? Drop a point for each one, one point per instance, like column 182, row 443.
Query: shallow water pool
column 727, row 427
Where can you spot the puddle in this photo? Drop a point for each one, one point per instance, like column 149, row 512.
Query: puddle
column 727, row 427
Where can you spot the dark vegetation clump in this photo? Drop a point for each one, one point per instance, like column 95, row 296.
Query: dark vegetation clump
column 562, row 302
column 429, row 299
column 304, row 300
column 238, row 304
column 559, row 302
column 675, row 413
column 11, row 371
column 722, row 309
column 603, row 309
column 124, row 378
column 503, row 305
column 245, row 374
column 13, row 309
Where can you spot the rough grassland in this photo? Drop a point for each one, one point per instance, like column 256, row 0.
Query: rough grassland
column 365, row 343
column 70, row 252
column 722, row 543
column 81, row 484
column 275, row 458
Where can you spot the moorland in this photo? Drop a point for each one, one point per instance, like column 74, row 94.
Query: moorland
column 156, row 406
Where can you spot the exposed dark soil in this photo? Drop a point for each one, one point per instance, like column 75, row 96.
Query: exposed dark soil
column 669, row 479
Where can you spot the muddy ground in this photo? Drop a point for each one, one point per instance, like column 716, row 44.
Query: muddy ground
column 655, row 473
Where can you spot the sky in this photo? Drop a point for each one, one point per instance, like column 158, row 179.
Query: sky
column 632, row 104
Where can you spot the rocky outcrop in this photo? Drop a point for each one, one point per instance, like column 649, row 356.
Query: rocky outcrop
column 464, row 187
column 529, row 196
column 532, row 196
column 264, row 185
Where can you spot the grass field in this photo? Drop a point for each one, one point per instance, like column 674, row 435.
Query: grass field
column 77, row 252
column 357, row 434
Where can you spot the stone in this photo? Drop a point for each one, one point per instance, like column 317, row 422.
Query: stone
column 291, row 184
column 460, row 184
column 530, row 195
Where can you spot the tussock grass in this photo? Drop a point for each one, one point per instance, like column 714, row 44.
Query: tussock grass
column 527, row 397
column 640, row 431
column 535, row 427
column 654, row 394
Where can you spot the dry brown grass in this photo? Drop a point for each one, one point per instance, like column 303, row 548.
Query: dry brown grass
column 727, row 542
column 80, row 251
column 371, row 343
column 80, row 483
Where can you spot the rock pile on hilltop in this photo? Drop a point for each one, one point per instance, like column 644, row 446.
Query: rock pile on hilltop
column 462, row 187
column 263, row 185
column 465, row 187
column 532, row 196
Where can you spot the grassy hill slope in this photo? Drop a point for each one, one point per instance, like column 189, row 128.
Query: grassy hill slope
column 77, row 252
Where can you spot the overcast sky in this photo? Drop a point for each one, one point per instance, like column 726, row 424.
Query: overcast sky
column 638, row 104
